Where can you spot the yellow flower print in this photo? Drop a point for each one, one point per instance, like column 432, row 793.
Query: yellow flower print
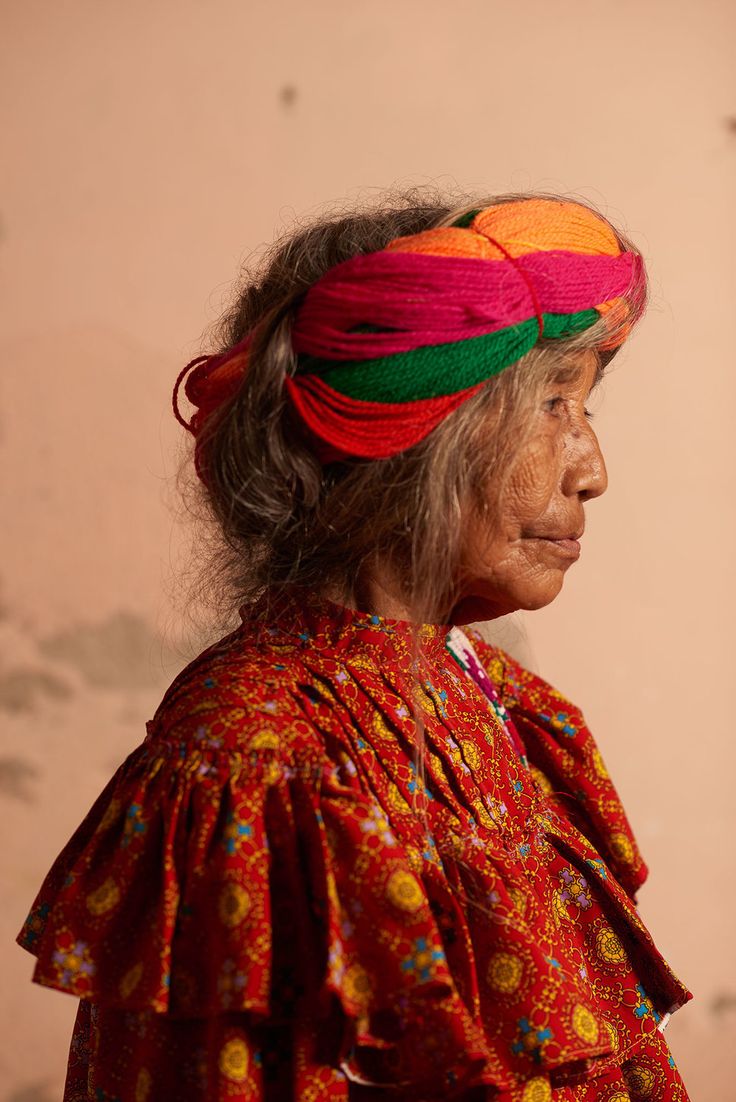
column 599, row 764
column 639, row 1080
column 415, row 859
column 361, row 662
column 490, row 732
column 504, row 972
column 622, row 848
column 612, row 1035
column 519, row 900
column 272, row 772
column 143, row 1085
column 233, row 1060
column 130, row 980
column 357, row 985
column 404, row 891
column 495, row 670
column 395, row 798
column 559, row 909
column 381, row 728
column 233, row 904
column 567, row 762
column 482, row 814
column 584, row 1024
column 470, row 753
column 104, row 898
column 608, row 946
column 427, row 703
column 537, row 1090
column 265, row 740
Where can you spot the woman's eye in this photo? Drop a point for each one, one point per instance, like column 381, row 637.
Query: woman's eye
column 551, row 404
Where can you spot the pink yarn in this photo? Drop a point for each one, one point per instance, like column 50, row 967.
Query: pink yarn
column 437, row 300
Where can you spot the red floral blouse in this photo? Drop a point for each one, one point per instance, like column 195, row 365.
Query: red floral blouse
column 278, row 897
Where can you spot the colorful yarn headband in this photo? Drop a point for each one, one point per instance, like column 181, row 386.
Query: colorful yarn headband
column 389, row 343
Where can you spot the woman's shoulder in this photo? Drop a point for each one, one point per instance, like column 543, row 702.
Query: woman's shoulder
column 178, row 831
column 238, row 698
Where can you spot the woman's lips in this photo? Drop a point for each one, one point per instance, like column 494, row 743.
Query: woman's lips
column 568, row 547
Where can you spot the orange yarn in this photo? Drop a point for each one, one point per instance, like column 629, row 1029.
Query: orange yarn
column 526, row 226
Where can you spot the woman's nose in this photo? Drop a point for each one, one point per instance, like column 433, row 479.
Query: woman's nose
column 585, row 470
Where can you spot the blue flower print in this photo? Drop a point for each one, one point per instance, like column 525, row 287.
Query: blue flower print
column 562, row 722
column 134, row 824
column 235, row 832
column 645, row 1006
column 531, row 1040
column 423, row 960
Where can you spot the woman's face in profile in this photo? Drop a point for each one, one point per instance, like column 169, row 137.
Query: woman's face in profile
column 520, row 562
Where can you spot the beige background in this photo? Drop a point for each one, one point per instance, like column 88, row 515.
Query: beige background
column 148, row 147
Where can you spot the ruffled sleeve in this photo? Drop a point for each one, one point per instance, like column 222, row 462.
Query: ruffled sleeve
column 166, row 882
column 229, row 891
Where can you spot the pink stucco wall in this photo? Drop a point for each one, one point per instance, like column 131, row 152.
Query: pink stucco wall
column 148, row 147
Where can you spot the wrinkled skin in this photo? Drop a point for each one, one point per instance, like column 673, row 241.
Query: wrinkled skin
column 561, row 468
column 515, row 565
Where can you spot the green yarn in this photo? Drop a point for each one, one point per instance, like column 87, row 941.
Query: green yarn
column 465, row 219
column 441, row 369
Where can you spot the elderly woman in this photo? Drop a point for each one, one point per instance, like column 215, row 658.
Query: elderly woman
column 361, row 853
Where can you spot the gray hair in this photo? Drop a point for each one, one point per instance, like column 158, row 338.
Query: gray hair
column 273, row 517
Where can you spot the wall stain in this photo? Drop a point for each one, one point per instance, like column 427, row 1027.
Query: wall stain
column 34, row 1092
column 16, row 775
column 20, row 689
column 723, row 1002
column 119, row 653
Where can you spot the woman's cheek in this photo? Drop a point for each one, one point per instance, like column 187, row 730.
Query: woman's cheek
column 531, row 488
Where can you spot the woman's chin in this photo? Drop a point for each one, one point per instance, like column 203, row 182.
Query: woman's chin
column 478, row 608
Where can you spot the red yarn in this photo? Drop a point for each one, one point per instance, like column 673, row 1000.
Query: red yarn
column 213, row 380
column 342, row 427
column 175, row 396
